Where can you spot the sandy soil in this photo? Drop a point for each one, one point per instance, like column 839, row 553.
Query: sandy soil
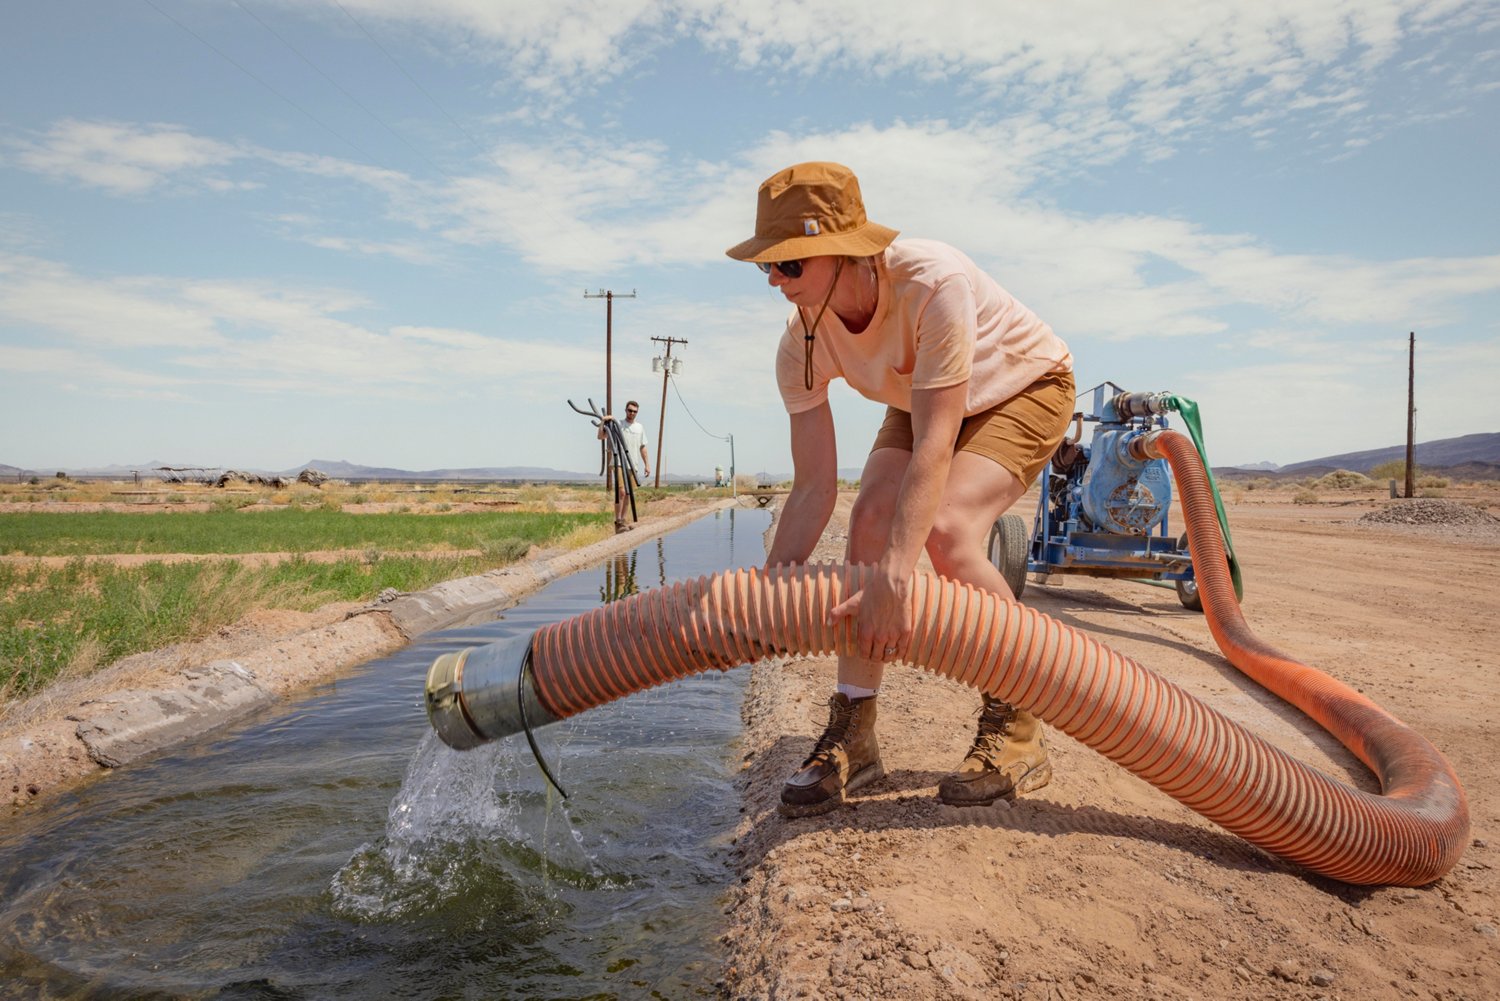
column 1099, row 886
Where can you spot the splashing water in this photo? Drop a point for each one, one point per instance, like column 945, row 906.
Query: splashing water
column 457, row 833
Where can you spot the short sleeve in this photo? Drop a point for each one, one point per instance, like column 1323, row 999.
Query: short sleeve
column 791, row 374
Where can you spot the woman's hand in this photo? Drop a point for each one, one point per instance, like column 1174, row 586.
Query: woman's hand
column 882, row 615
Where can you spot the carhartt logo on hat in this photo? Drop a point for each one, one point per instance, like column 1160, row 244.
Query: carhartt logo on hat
column 810, row 210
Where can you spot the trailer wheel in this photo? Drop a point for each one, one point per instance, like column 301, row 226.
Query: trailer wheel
column 1187, row 590
column 1010, row 547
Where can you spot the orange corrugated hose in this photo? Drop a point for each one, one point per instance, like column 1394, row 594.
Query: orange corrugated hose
column 1410, row 835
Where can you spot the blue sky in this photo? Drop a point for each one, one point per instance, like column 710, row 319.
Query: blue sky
column 251, row 233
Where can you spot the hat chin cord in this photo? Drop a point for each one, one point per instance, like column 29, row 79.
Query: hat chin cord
column 807, row 332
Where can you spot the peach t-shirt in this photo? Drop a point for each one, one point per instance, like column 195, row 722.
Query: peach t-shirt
column 940, row 321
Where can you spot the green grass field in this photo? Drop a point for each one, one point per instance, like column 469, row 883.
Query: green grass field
column 67, row 621
column 291, row 529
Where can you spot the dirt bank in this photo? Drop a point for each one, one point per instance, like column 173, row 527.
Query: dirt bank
column 1099, row 886
column 75, row 730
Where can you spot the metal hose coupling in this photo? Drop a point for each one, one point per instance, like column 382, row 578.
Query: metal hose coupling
column 1146, row 446
column 1128, row 405
column 484, row 693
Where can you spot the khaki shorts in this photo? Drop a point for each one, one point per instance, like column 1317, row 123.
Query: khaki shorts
column 1020, row 434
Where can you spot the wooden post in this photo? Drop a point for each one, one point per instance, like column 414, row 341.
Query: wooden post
column 1411, row 417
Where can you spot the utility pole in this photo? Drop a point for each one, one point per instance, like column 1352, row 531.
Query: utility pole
column 609, row 297
column 666, row 373
column 1411, row 417
column 734, row 490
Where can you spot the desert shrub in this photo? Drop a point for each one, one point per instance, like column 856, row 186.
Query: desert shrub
column 1433, row 482
column 502, row 551
column 1344, row 479
column 1306, row 495
column 1393, row 470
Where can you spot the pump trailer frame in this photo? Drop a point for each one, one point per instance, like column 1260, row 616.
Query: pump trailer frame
column 1102, row 512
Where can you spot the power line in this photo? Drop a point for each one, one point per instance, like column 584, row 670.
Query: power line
column 734, row 489
column 478, row 147
column 692, row 417
column 237, row 65
column 359, row 104
column 413, row 80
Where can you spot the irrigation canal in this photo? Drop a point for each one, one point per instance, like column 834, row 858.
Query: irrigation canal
column 330, row 847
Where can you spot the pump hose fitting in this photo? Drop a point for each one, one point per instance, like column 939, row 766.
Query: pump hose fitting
column 1128, row 405
column 1410, row 835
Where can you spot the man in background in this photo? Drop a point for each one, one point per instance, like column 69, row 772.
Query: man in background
column 634, row 434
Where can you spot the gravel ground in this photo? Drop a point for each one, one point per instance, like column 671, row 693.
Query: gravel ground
column 1434, row 517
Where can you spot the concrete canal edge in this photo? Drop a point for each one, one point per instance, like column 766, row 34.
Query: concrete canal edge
column 126, row 725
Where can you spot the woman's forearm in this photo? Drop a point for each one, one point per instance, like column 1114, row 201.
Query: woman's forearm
column 803, row 518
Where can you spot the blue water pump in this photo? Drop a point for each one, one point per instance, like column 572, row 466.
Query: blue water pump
column 1103, row 512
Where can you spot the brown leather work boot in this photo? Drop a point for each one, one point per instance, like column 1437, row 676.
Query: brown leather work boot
column 844, row 759
column 1008, row 758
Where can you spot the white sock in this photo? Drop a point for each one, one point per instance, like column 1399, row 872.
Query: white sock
column 853, row 692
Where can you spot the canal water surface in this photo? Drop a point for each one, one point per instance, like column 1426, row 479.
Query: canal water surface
column 330, row 847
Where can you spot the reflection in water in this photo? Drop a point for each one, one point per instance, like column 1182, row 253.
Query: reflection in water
column 619, row 578
column 619, row 571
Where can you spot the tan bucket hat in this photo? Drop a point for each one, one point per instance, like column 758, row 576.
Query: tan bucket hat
column 808, row 210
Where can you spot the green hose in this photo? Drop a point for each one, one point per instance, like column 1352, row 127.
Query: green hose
column 1189, row 411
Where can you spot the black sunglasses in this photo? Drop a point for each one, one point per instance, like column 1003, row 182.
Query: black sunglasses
column 792, row 269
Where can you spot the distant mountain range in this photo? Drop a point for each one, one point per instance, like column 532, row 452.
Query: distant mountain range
column 1472, row 456
column 342, row 470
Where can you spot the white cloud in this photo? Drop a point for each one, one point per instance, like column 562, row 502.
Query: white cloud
column 1160, row 70
column 547, row 48
column 121, row 158
column 588, row 208
column 401, row 250
column 124, row 313
column 128, row 332
column 89, row 369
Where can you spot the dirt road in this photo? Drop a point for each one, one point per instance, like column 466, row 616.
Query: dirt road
column 1099, row 886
